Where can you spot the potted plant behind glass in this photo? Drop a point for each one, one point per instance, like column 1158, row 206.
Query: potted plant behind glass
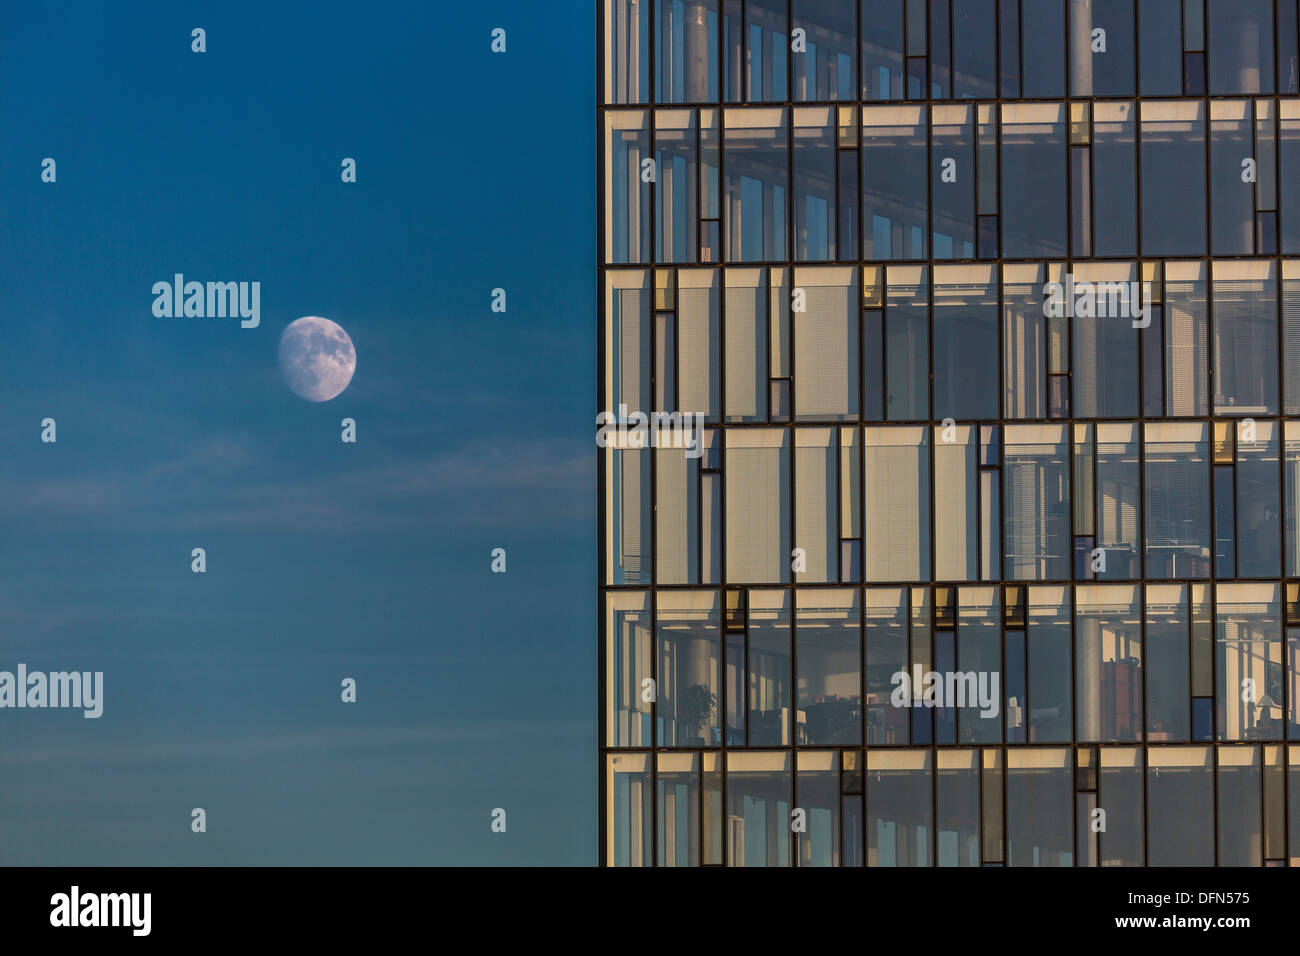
column 695, row 711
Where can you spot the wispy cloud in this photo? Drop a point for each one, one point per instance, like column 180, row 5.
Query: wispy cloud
column 255, row 744
column 222, row 483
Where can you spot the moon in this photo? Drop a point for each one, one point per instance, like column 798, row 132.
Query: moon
column 316, row 358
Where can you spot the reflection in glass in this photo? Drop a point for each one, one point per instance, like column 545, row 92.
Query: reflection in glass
column 819, row 798
column 686, row 47
column 677, row 777
column 1040, row 794
column 1240, row 824
column 1173, row 178
column 895, row 206
column 1240, row 35
column 627, row 666
column 898, row 808
column 629, row 818
column 952, row 165
column 757, row 176
column 1180, row 806
column 826, row 71
column 957, row 808
column 758, row 806
column 1034, row 191
column 965, row 342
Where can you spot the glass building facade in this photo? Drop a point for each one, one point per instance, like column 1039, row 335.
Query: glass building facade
column 949, row 463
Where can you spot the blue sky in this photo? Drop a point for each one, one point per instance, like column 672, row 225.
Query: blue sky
column 325, row 560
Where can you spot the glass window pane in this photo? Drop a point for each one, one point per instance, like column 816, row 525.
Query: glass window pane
column 1232, row 209
column 1186, row 339
column 1160, row 61
column 886, row 641
column 1114, row 172
column 895, row 207
column 1119, row 793
column 897, row 513
column 965, row 342
column 689, row 659
column 629, row 822
column 627, row 667
column 829, row 656
column 882, row 49
column 1248, row 661
column 759, row 801
column 826, row 70
column 1048, row 664
column 769, row 668
column 1101, row 64
column 898, row 808
column 1292, row 467
column 1180, row 806
column 627, row 51
column 1119, row 511
column 627, row 190
column 977, row 680
column 1173, row 178
column 956, row 511
column 815, row 503
column 907, row 343
column 814, row 183
column 1036, row 500
column 757, row 479
column 1240, row 807
column 952, row 165
column 1040, row 798
column 1258, row 505
column 1042, row 49
column 1168, row 674
column 957, row 808
column 757, row 176
column 1177, row 500
column 1034, row 192
column 974, row 42
column 677, row 778
column 826, row 344
column 1024, row 341
column 1106, row 351
column 686, row 50
column 1108, row 663
column 819, row 799
column 676, row 198
column 747, row 344
column 1245, row 337
column 767, row 41
column 1240, row 38
column 677, row 511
